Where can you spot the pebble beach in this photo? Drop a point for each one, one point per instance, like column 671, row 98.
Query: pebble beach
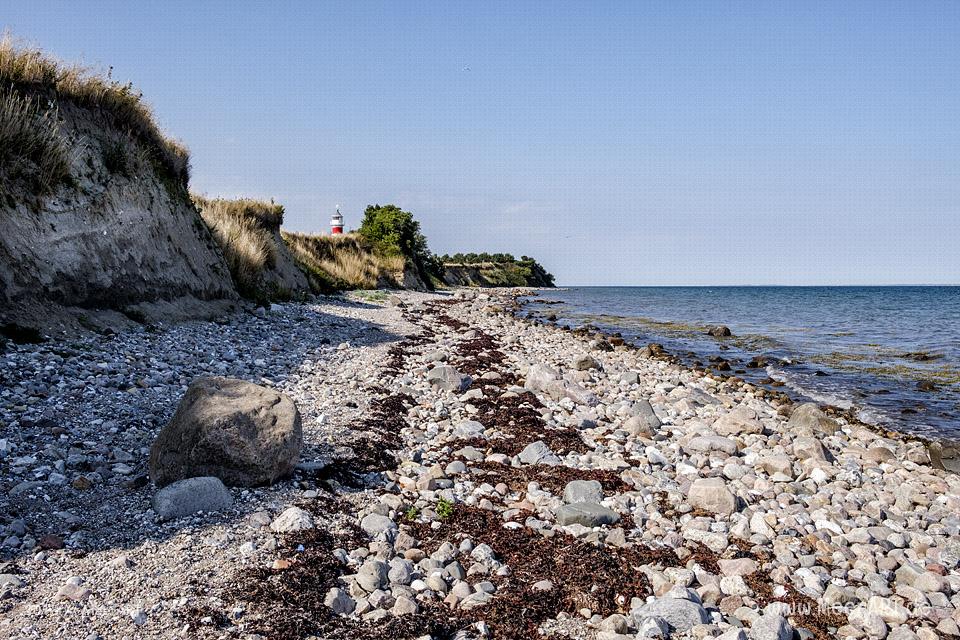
column 465, row 473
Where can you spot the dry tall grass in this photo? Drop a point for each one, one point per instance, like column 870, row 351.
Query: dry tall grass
column 342, row 261
column 32, row 147
column 30, row 72
column 244, row 229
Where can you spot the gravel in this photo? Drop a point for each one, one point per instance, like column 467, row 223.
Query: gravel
column 517, row 489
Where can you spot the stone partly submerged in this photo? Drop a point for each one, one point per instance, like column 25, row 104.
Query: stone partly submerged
column 945, row 455
column 240, row 432
column 809, row 419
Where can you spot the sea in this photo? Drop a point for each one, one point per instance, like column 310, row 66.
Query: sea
column 891, row 354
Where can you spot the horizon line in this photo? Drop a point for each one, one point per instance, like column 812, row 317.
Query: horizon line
column 701, row 286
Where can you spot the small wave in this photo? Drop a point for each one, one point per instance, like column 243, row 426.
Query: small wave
column 818, row 396
column 867, row 415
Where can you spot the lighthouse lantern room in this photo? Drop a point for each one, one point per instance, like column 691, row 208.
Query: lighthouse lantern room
column 336, row 222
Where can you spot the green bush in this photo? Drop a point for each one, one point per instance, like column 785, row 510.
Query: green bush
column 395, row 233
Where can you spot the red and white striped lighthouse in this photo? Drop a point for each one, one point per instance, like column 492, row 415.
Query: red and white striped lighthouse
column 336, row 222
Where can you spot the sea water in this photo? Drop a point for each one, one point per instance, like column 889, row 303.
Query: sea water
column 872, row 349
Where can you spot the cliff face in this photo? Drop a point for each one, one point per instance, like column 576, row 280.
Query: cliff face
column 116, row 229
column 497, row 274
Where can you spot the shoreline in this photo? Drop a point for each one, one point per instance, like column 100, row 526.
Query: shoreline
column 777, row 381
column 695, row 480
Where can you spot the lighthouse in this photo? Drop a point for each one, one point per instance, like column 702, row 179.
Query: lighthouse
column 336, row 222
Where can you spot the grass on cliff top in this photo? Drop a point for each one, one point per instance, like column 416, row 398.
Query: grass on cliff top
column 29, row 72
column 268, row 215
column 244, row 231
column 334, row 263
column 33, row 151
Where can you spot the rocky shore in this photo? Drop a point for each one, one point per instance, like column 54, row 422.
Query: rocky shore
column 463, row 473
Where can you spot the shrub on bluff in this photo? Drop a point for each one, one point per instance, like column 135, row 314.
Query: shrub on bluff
column 240, row 432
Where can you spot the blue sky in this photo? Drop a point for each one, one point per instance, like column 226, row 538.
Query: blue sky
column 620, row 143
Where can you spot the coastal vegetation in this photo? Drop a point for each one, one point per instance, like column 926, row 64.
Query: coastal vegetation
column 34, row 154
column 245, row 231
column 494, row 270
column 394, row 232
column 87, row 174
column 348, row 261
column 36, row 86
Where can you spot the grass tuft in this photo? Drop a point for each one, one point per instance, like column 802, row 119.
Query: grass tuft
column 41, row 79
column 244, row 229
column 33, row 150
column 335, row 263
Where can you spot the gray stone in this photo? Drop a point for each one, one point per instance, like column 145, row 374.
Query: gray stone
column 808, row 418
column 584, row 363
column 538, row 453
column 189, row 496
column 372, row 575
column 587, row 514
column 644, row 410
column 711, row 494
column 10, row 581
column 468, row 429
column 448, row 378
column 292, row 519
column 243, row 433
column 539, row 376
column 375, row 524
column 401, row 571
column 583, row 491
column 708, row 443
column 889, row 610
column 771, row 626
column 543, row 585
column 807, row 448
column 738, row 421
column 404, row 606
column 25, row 487
column 653, row 627
column 680, row 614
column 572, row 390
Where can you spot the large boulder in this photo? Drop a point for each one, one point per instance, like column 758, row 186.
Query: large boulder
column 242, row 433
